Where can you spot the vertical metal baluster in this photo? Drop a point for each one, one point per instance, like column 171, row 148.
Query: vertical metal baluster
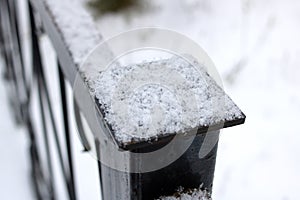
column 44, row 90
column 37, row 66
column 55, row 132
column 1, row 32
column 97, row 145
column 80, row 129
column 67, row 131
column 10, row 52
column 45, row 93
column 17, row 59
column 16, row 94
column 46, row 138
column 15, row 24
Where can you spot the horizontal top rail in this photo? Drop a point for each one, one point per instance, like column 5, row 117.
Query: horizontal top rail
column 74, row 35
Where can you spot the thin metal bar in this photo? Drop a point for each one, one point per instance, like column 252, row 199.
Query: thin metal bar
column 55, row 132
column 1, row 34
column 13, row 10
column 3, row 38
column 79, row 125
column 12, row 59
column 16, row 57
column 97, row 144
column 37, row 176
column 36, row 59
column 46, row 139
column 67, row 131
column 18, row 43
column 44, row 90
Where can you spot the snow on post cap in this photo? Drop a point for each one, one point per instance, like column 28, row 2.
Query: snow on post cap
column 195, row 194
column 180, row 94
column 151, row 100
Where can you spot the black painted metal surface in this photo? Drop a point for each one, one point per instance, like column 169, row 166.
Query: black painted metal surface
column 188, row 171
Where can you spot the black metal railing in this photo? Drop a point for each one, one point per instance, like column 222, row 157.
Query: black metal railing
column 20, row 89
column 51, row 146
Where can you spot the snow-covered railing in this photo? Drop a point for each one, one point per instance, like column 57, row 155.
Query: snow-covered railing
column 126, row 152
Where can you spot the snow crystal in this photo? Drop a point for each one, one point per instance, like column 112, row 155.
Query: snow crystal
column 76, row 26
column 174, row 95
column 146, row 100
column 195, row 194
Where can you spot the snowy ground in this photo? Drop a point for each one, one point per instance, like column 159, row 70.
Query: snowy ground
column 14, row 171
column 255, row 46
